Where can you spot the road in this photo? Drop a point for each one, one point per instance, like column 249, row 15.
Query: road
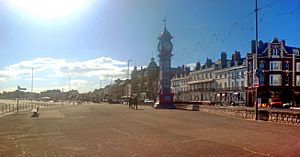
column 114, row 130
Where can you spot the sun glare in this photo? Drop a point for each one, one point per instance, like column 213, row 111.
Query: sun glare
column 49, row 9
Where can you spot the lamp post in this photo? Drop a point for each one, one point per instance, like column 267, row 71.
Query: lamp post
column 128, row 92
column 256, row 51
column 128, row 68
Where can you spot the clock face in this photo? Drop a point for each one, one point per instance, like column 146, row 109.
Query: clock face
column 168, row 46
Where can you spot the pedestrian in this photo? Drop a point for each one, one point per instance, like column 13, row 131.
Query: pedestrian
column 130, row 102
column 135, row 102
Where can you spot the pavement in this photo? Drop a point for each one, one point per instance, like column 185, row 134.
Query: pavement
column 113, row 130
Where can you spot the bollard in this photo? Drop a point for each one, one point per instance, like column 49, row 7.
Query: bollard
column 2, row 109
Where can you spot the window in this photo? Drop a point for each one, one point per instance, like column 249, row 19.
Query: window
column 275, row 80
column 275, row 66
column 298, row 67
column 225, row 75
column 287, row 80
column 298, row 80
column 296, row 52
column 287, row 65
column 242, row 83
column 262, row 80
column 225, row 85
column 275, row 52
column 242, row 74
column 262, row 65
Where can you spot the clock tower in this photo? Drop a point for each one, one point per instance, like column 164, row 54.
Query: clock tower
column 164, row 98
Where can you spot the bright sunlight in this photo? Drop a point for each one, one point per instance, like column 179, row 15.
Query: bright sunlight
column 50, row 9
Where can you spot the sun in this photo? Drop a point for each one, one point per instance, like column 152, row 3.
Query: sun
column 49, row 9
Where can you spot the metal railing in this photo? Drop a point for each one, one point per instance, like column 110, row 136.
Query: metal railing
column 11, row 108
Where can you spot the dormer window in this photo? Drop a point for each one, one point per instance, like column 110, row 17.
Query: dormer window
column 275, row 51
column 296, row 52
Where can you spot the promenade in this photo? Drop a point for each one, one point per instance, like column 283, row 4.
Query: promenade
column 113, row 130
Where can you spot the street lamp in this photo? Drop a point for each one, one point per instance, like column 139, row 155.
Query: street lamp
column 128, row 68
column 128, row 92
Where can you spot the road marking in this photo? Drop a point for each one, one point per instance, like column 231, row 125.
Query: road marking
column 254, row 152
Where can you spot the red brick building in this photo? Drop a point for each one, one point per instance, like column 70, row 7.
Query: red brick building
column 280, row 77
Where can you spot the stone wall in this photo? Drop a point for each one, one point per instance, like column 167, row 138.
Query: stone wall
column 281, row 116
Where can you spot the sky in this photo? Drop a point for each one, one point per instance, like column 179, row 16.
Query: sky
column 91, row 41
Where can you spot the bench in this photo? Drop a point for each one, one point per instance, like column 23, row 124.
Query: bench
column 35, row 112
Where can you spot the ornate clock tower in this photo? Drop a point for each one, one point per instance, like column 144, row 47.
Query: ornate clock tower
column 164, row 98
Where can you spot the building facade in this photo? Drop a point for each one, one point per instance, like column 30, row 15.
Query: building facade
column 223, row 81
column 280, row 72
column 179, row 84
column 145, row 81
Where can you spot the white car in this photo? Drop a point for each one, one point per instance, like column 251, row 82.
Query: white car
column 148, row 101
column 287, row 105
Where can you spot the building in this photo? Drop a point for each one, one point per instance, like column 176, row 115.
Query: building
column 279, row 71
column 202, row 82
column 145, row 81
column 223, row 81
column 179, row 84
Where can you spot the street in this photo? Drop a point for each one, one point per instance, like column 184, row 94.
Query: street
column 114, row 130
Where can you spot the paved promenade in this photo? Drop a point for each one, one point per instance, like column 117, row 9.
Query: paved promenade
column 114, row 130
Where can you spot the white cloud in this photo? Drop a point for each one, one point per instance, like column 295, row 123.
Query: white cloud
column 191, row 65
column 51, row 69
column 105, row 66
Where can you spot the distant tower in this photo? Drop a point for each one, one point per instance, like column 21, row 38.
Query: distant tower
column 164, row 99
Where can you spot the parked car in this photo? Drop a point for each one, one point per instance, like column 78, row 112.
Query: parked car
column 275, row 102
column 287, row 105
column 148, row 101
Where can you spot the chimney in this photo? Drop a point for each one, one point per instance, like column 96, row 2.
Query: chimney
column 198, row 66
column 223, row 59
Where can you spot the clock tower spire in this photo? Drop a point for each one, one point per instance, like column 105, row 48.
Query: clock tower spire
column 164, row 98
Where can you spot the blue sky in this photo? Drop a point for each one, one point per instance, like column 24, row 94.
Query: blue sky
column 105, row 33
